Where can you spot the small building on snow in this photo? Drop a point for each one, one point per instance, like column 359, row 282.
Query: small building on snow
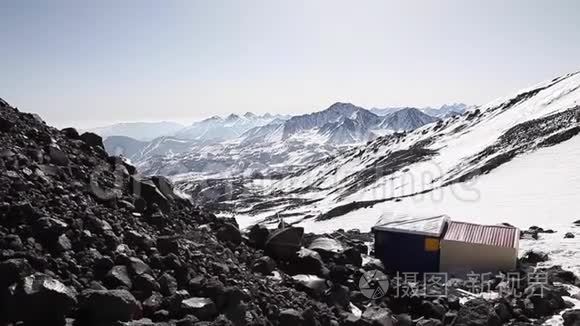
column 468, row 247
column 409, row 244
column 437, row 244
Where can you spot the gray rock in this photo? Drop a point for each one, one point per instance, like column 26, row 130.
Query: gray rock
column 168, row 284
column 229, row 233
column 572, row 318
column 378, row 316
column 290, row 317
column 264, row 265
column 39, row 298
column 109, row 306
column 12, row 270
column 118, row 276
column 92, row 139
column 477, row 312
column 202, row 308
column 284, row 243
column 57, row 156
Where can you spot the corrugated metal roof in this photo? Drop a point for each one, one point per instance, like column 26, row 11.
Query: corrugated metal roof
column 429, row 226
column 492, row 235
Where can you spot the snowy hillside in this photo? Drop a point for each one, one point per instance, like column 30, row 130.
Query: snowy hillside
column 491, row 164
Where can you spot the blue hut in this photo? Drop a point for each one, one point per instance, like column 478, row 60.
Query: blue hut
column 410, row 244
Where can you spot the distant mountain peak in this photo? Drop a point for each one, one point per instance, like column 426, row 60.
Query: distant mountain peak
column 250, row 115
column 214, row 118
column 233, row 117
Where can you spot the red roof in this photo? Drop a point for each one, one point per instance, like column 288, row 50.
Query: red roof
column 492, row 235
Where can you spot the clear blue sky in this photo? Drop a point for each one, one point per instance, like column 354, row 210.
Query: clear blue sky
column 88, row 63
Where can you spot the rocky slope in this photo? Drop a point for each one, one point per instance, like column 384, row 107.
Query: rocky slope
column 82, row 236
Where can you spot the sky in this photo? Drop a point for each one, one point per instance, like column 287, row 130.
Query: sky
column 88, row 64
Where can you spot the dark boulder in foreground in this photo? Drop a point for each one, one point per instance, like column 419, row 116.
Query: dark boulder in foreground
column 477, row 312
column 572, row 318
column 202, row 308
column 108, row 306
column 284, row 243
column 40, row 298
column 229, row 233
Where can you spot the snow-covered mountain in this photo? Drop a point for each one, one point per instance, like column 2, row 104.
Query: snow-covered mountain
column 341, row 124
column 212, row 148
column 448, row 110
column 216, row 129
column 445, row 111
column 406, row 120
column 144, row 131
column 487, row 165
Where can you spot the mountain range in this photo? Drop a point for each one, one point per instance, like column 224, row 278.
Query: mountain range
column 444, row 111
column 508, row 160
column 249, row 144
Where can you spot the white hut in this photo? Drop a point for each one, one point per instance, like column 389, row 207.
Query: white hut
column 468, row 247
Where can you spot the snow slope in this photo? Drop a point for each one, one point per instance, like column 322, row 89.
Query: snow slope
column 512, row 160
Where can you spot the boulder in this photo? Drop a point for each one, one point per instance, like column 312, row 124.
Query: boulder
column 306, row 261
column 48, row 229
column 108, row 306
column 326, row 247
column 429, row 322
column 433, row 309
column 569, row 235
column 378, row 316
column 146, row 284
column 264, row 265
column 534, row 257
column 290, row 317
column 353, row 256
column 284, row 243
column 312, row 285
column 138, row 267
column 92, row 139
column 167, row 245
column 118, row 276
column 543, row 300
column 165, row 186
column 258, row 236
column 12, row 270
column 338, row 296
column 168, row 284
column 477, row 312
column 403, row 320
column 11, row 241
column 40, row 298
column 229, row 233
column 202, row 308
column 146, row 189
column 71, row 133
column 152, row 304
column 5, row 125
column 57, row 156
column 572, row 318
